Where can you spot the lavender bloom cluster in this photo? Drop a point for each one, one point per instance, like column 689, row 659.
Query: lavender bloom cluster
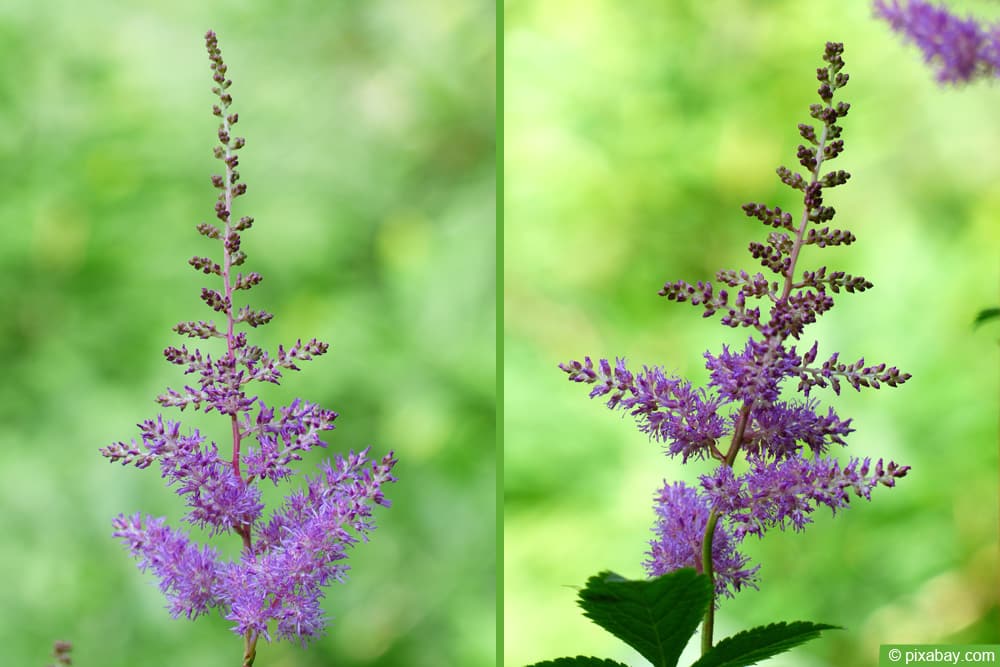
column 785, row 437
column 961, row 50
column 277, row 582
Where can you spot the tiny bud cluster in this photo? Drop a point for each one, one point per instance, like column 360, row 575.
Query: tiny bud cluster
column 785, row 440
column 62, row 654
column 288, row 558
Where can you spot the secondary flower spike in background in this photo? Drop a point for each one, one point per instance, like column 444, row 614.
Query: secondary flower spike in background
column 275, row 586
column 959, row 49
column 780, row 430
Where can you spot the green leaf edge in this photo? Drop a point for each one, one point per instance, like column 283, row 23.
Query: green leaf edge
column 985, row 315
column 730, row 652
column 579, row 661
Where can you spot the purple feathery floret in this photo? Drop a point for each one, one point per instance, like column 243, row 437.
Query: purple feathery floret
column 960, row 49
column 187, row 573
column 754, row 374
column 782, row 429
column 748, row 408
column 287, row 560
column 775, row 493
column 681, row 517
column 302, row 549
column 669, row 409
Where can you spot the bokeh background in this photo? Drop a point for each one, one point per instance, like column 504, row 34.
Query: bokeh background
column 633, row 134
column 371, row 170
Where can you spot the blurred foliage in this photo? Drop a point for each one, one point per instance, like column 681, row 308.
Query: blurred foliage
column 633, row 133
column 371, row 170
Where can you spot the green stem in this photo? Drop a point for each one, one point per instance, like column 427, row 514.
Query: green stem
column 706, row 564
column 708, row 625
column 249, row 648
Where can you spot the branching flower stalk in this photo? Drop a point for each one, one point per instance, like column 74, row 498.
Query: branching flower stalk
column 287, row 560
column 783, row 440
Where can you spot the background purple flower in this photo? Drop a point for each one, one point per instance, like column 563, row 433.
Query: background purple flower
column 959, row 49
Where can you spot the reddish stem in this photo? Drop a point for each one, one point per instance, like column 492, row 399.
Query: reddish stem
column 227, row 264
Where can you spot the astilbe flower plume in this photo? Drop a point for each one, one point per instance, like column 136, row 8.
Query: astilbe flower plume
column 959, row 49
column 785, row 439
column 276, row 584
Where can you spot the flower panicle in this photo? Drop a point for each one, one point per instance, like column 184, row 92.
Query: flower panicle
column 757, row 402
column 275, row 587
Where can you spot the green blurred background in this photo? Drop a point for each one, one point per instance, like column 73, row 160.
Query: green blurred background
column 371, row 170
column 633, row 133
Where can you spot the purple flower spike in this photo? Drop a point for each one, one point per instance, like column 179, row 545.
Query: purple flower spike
column 749, row 407
column 277, row 583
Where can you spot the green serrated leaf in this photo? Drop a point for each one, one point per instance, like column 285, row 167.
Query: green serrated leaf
column 756, row 644
column 656, row 617
column 985, row 315
column 578, row 661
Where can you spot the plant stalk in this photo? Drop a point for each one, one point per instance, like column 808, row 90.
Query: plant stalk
column 249, row 648
column 708, row 624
